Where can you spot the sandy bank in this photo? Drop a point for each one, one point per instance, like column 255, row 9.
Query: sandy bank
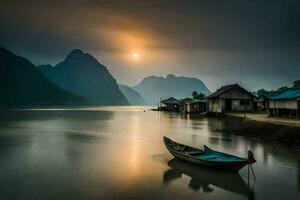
column 267, row 119
column 265, row 131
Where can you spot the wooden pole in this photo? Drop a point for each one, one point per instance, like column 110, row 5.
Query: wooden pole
column 290, row 109
column 298, row 107
column 276, row 109
column 244, row 109
column 275, row 103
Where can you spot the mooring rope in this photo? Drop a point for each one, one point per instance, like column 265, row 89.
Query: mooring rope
column 252, row 171
column 251, row 160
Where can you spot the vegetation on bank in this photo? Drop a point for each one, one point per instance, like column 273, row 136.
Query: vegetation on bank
column 198, row 96
column 270, row 93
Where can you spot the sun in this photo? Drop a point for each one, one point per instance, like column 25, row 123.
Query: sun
column 135, row 56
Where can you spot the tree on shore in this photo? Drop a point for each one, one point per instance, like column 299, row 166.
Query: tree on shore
column 197, row 95
column 261, row 92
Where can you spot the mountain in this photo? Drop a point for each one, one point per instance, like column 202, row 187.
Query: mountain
column 46, row 69
column 153, row 88
column 132, row 96
column 83, row 75
column 22, row 84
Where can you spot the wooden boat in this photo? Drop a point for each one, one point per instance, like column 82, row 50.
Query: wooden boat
column 207, row 157
column 202, row 178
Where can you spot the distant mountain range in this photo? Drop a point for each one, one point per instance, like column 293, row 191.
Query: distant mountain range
column 22, row 84
column 81, row 79
column 83, row 75
column 153, row 88
column 132, row 96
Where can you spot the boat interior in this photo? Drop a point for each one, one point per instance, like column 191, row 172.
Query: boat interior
column 186, row 149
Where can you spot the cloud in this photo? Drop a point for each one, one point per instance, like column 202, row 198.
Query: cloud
column 164, row 24
column 169, row 34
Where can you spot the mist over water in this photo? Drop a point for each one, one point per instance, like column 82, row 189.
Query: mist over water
column 117, row 153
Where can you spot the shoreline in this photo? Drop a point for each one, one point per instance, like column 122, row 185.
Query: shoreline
column 263, row 131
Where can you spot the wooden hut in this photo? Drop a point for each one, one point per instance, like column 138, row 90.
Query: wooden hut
column 183, row 103
column 262, row 102
column 196, row 106
column 189, row 105
column 286, row 104
column 171, row 104
column 231, row 98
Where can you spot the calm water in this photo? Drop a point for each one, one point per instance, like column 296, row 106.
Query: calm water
column 117, row 153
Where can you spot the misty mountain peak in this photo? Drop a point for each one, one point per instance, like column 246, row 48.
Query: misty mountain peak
column 75, row 54
column 81, row 59
column 153, row 88
column 170, row 76
column 23, row 84
column 83, row 75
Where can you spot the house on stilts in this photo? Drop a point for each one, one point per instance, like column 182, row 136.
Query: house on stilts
column 171, row 104
column 189, row 105
column 286, row 104
column 231, row 98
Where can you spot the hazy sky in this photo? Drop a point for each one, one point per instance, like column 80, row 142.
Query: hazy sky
column 252, row 42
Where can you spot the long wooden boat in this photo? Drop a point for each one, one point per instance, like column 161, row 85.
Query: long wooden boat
column 206, row 157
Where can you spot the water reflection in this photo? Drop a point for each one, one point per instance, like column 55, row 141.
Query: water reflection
column 202, row 179
column 298, row 174
column 82, row 137
column 117, row 153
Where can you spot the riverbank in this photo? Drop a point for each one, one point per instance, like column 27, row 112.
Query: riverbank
column 262, row 117
column 272, row 131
